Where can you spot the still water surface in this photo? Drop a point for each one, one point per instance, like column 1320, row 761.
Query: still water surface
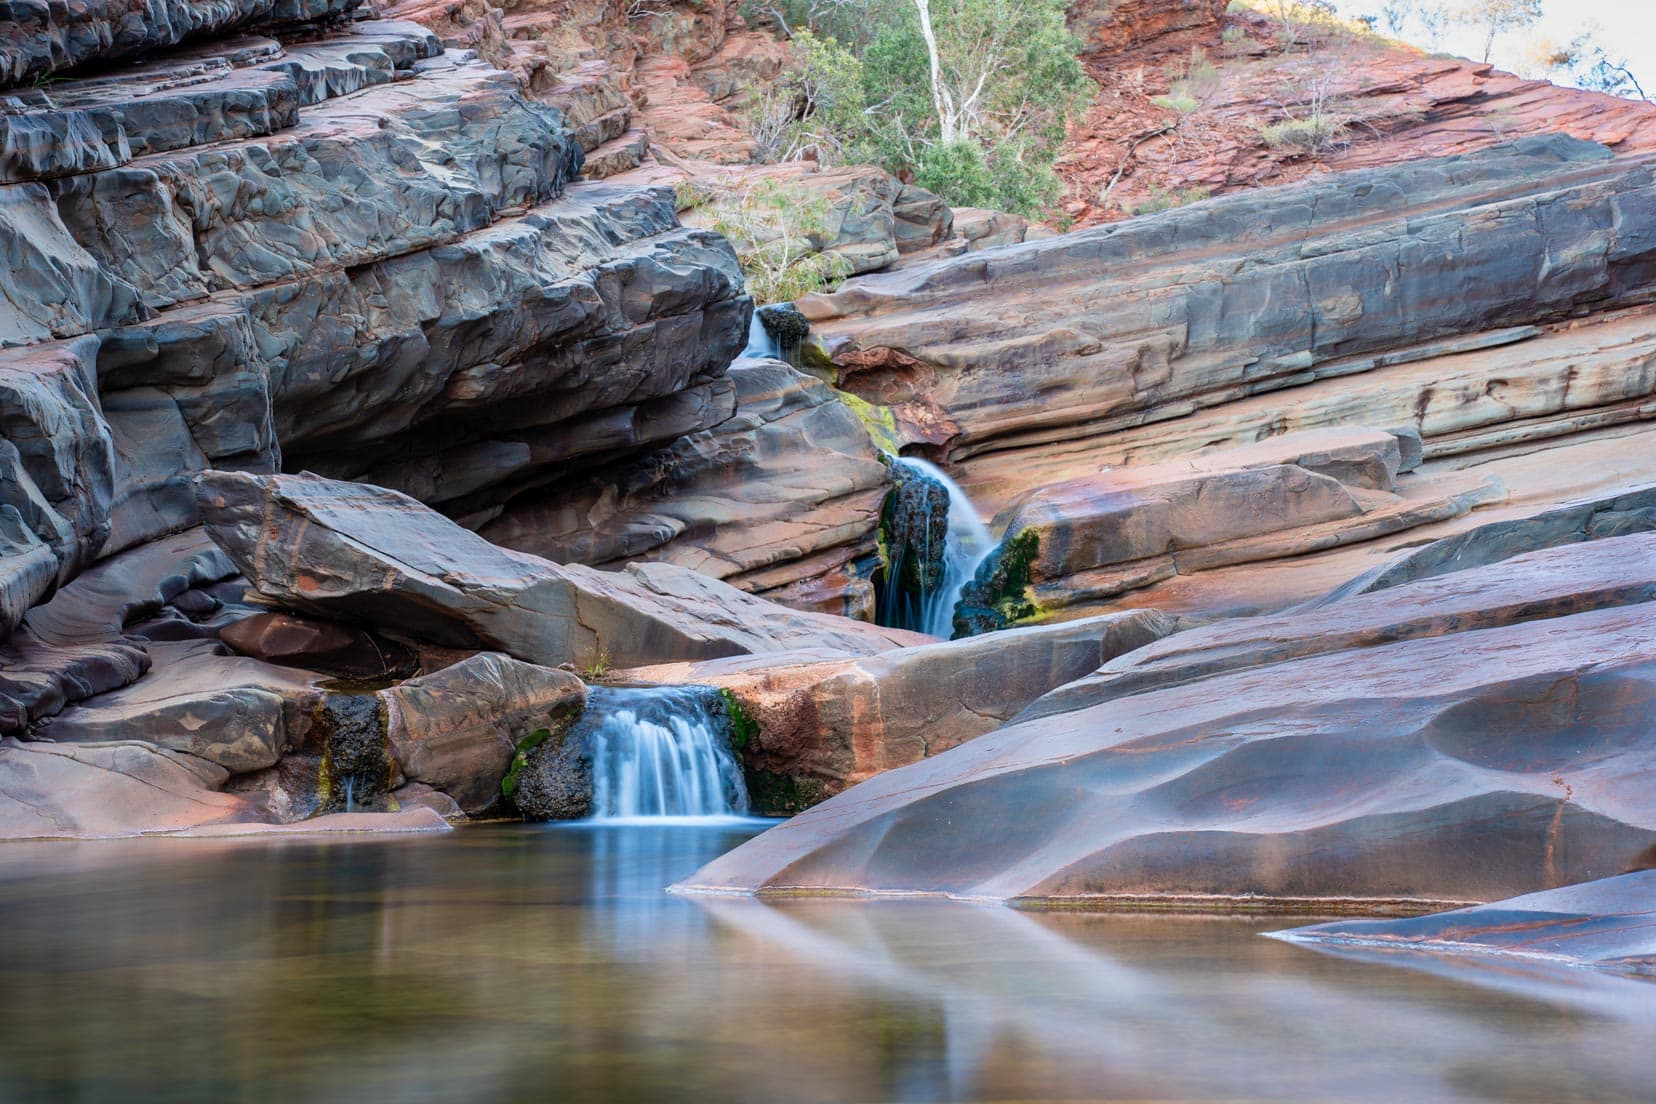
column 545, row 964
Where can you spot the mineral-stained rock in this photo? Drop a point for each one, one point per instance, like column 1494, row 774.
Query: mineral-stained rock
column 349, row 550
column 824, row 723
column 103, row 790
column 1451, row 768
column 786, row 492
column 1606, row 923
column 457, row 729
column 1209, row 303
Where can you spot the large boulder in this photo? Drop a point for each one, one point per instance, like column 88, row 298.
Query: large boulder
column 365, row 553
column 458, row 729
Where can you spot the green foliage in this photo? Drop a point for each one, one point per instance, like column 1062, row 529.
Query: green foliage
column 1161, row 199
column 1176, row 102
column 778, row 234
column 509, row 784
column 982, row 129
column 999, row 596
column 597, row 667
column 1312, row 134
column 743, row 728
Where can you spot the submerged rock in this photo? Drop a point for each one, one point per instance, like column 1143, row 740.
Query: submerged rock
column 1607, row 924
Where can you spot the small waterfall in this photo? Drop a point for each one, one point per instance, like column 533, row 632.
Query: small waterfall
column 923, row 580
column 662, row 751
column 760, row 342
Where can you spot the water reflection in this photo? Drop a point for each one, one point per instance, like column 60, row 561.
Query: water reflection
column 518, row 964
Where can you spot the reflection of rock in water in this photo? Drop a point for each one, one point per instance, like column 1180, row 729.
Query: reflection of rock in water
column 934, row 541
column 356, row 757
column 638, row 752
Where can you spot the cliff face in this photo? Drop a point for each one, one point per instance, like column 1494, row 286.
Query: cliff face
column 1189, row 94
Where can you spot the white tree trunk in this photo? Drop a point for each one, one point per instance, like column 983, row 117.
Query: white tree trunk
column 947, row 125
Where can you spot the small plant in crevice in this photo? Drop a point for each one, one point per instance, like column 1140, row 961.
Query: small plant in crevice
column 597, row 667
column 744, row 729
column 520, row 759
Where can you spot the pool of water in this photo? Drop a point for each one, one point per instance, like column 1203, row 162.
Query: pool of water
column 546, row 964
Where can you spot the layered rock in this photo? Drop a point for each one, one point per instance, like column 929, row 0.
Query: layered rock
column 1248, row 771
column 783, row 500
column 365, row 553
column 1153, row 319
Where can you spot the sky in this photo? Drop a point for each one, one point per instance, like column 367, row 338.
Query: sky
column 1626, row 27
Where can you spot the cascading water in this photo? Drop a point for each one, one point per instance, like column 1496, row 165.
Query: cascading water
column 923, row 580
column 662, row 751
column 760, row 341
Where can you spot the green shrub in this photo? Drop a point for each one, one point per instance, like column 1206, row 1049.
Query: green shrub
column 1313, row 134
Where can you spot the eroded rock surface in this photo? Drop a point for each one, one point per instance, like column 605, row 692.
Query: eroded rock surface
column 1378, row 770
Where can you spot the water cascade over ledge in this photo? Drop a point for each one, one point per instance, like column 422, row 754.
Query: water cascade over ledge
column 662, row 751
column 935, row 543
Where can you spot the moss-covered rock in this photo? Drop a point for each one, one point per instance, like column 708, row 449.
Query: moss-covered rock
column 914, row 527
column 551, row 774
column 999, row 596
column 357, row 765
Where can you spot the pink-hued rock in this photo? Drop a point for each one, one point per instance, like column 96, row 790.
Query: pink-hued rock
column 1389, row 773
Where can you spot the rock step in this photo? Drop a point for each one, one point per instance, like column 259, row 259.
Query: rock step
column 39, row 37
column 1480, row 392
column 242, row 87
column 617, row 156
column 1223, row 299
column 391, row 170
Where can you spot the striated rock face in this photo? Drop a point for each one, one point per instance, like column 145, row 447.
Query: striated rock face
column 1233, row 73
column 824, row 722
column 365, row 553
column 1355, row 751
column 1147, row 320
column 783, row 500
column 1604, row 924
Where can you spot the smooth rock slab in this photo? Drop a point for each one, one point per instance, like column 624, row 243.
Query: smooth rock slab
column 52, row 791
column 1448, row 770
column 1609, row 924
column 359, row 552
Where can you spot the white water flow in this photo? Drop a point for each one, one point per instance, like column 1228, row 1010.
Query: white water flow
column 760, row 342
column 662, row 752
column 966, row 545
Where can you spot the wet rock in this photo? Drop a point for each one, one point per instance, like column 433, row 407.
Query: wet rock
column 1604, row 924
column 556, row 779
column 458, row 729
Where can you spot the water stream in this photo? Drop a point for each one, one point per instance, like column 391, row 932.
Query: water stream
column 662, row 751
column 923, row 582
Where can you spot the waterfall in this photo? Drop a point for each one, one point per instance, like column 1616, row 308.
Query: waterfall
column 662, row 751
column 760, row 342
column 923, row 579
